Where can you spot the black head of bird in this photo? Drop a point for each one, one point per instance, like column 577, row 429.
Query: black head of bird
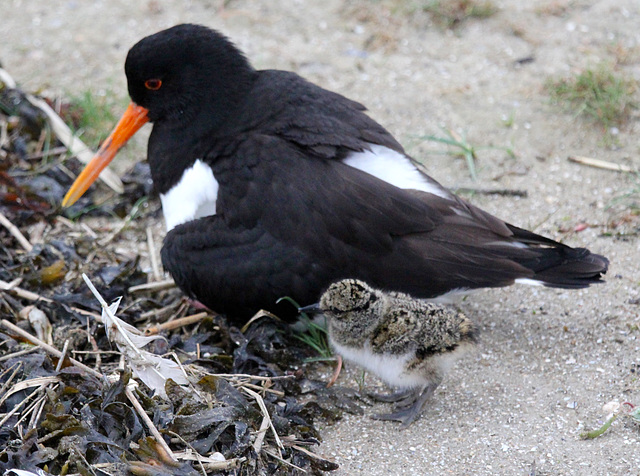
column 200, row 75
column 272, row 186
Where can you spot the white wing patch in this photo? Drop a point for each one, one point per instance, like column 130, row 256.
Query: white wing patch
column 452, row 297
column 194, row 196
column 394, row 168
column 529, row 281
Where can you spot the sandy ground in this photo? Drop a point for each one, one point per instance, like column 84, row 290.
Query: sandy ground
column 548, row 359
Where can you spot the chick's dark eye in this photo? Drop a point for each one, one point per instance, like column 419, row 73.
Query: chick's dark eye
column 153, row 84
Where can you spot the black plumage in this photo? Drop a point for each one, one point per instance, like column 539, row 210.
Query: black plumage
column 291, row 216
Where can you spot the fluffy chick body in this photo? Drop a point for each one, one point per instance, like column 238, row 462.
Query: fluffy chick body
column 407, row 342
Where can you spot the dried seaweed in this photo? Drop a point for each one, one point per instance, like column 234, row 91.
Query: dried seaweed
column 252, row 404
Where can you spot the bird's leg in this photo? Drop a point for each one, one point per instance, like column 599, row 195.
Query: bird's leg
column 409, row 409
column 392, row 397
column 194, row 303
column 336, row 372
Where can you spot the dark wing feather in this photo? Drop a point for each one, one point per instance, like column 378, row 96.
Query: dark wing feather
column 356, row 225
column 293, row 218
column 322, row 123
column 238, row 271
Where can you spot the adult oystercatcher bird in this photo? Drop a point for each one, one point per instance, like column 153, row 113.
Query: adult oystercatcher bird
column 272, row 186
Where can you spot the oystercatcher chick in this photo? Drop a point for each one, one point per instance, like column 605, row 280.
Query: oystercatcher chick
column 409, row 343
column 272, row 186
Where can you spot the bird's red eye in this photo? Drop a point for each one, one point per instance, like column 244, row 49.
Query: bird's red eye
column 153, row 84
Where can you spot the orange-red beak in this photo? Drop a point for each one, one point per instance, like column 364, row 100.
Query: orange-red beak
column 133, row 119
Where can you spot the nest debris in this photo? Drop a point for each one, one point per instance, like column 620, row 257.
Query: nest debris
column 69, row 402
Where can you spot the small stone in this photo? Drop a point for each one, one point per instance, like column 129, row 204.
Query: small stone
column 611, row 407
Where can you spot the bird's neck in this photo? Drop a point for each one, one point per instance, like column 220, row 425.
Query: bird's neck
column 176, row 143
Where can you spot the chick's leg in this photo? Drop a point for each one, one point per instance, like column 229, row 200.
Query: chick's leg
column 410, row 407
column 392, row 397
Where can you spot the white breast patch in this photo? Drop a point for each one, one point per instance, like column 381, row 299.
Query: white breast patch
column 194, row 196
column 393, row 368
column 394, row 168
column 390, row 368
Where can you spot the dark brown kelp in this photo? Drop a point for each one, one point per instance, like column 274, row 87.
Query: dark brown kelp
column 68, row 403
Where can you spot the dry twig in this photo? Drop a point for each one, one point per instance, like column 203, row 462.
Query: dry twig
column 48, row 153
column 31, row 296
column 209, row 463
column 21, row 293
column 50, row 349
column 36, row 415
column 18, row 406
column 176, row 323
column 16, row 368
column 30, row 383
column 63, row 133
column 254, row 377
column 65, row 349
column 157, row 286
column 118, row 229
column 269, row 423
column 600, row 164
column 74, row 144
column 282, row 460
column 153, row 256
column 258, row 315
column 17, row 234
column 306, row 451
column 505, row 192
column 18, row 354
column 147, row 421
column 261, row 389
column 198, row 457
column 164, row 310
